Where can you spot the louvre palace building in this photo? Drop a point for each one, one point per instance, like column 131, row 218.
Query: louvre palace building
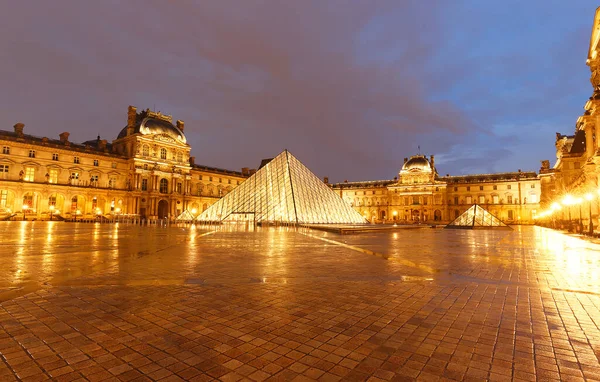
column 147, row 171
column 419, row 194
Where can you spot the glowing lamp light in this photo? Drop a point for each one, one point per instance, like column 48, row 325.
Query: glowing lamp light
column 117, row 210
column 395, row 213
column 25, row 207
column 98, row 212
column 569, row 200
column 194, row 211
column 51, row 208
column 78, row 212
column 555, row 206
column 589, row 196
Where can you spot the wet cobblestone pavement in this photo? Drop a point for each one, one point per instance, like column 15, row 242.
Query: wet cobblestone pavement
column 106, row 302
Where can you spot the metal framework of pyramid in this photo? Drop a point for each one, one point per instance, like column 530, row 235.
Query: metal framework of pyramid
column 477, row 217
column 282, row 191
column 185, row 216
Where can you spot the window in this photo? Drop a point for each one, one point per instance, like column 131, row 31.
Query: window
column 96, row 162
column 481, row 199
column 415, row 200
column 455, row 188
column 29, row 174
column 179, row 188
column 469, row 200
column 220, row 180
column 228, row 181
column 163, row 153
column 93, row 178
column 456, row 200
column 53, row 176
column 495, row 199
column 480, row 188
column 28, row 200
column 164, row 186
column 468, row 188
column 495, row 187
column 210, row 178
column 74, row 175
column 508, row 187
column 3, row 171
column 5, row 150
column 54, row 156
column 144, row 184
column 113, row 165
column 76, row 160
column 32, row 153
column 179, row 157
column 146, row 150
column 533, row 185
column 3, row 197
column 510, row 214
column 112, row 182
column 199, row 177
column 509, row 199
column 94, row 204
column 74, row 205
column 52, row 200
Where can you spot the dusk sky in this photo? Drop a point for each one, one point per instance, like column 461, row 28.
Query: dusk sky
column 349, row 87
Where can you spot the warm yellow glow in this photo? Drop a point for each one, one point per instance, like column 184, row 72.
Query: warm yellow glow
column 99, row 212
column 569, row 200
column 395, row 213
column 51, row 208
column 25, row 207
column 589, row 196
column 555, row 207
column 194, row 211
column 78, row 212
column 117, row 210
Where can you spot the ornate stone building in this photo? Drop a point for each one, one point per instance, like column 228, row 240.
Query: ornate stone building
column 147, row 171
column 577, row 168
column 419, row 194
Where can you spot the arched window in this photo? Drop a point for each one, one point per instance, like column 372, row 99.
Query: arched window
column 74, row 204
column 164, row 185
column 163, row 153
column 146, row 150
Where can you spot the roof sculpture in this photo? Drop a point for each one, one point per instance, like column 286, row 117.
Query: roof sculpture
column 283, row 191
column 477, row 217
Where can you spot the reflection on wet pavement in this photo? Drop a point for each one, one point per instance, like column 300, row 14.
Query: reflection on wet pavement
column 95, row 302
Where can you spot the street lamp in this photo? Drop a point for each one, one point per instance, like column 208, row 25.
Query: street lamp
column 568, row 201
column 51, row 211
column 580, row 201
column 25, row 207
column 589, row 198
column 76, row 214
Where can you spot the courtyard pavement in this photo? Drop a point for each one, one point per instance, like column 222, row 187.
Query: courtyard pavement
column 117, row 302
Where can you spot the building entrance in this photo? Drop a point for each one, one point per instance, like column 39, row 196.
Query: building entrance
column 163, row 209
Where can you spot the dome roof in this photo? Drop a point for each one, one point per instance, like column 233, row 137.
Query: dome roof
column 417, row 163
column 151, row 125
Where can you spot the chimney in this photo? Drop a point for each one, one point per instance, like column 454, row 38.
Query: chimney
column 432, row 161
column 326, row 180
column 102, row 144
column 192, row 160
column 252, row 171
column 405, row 160
column 244, row 170
column 180, row 125
column 19, row 129
column 64, row 137
column 131, row 117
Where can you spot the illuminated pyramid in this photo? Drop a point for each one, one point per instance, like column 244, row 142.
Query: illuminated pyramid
column 282, row 191
column 477, row 217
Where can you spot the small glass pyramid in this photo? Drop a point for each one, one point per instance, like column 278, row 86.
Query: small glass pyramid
column 477, row 217
column 185, row 216
column 282, row 191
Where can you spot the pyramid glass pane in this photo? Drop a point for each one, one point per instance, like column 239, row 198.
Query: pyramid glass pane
column 283, row 191
column 477, row 217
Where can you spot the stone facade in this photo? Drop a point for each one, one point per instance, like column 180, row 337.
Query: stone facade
column 420, row 195
column 146, row 171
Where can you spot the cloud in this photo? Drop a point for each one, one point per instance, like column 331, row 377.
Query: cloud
column 349, row 88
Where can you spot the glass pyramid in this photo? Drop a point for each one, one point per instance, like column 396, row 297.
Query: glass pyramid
column 477, row 217
column 185, row 216
column 282, row 191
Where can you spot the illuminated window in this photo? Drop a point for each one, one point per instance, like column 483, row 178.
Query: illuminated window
column 54, row 156
column 163, row 153
column 164, row 186
column 112, row 182
column 510, row 214
column 5, row 150
column 509, row 199
column 3, row 197
column 480, row 188
column 146, row 150
column 74, row 175
column 532, row 198
column 481, row 199
column 53, row 176
column 495, row 199
column 52, row 200
column 32, row 153
column 144, row 184
column 74, row 203
column 28, row 200
column 508, row 187
column 29, row 174
column 76, row 160
column 178, row 187
column 469, row 200
column 3, row 171
column 179, row 157
column 96, row 162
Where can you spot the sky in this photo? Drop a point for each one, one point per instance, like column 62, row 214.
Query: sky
column 349, row 87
